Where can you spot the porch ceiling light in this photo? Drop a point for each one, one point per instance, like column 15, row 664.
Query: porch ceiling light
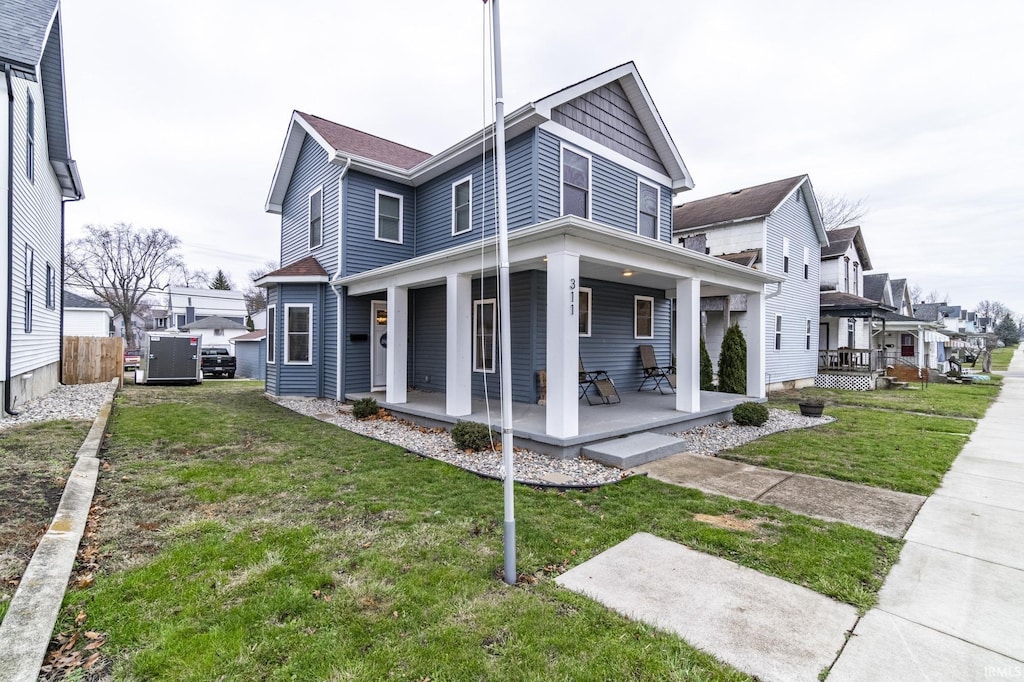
column 627, row 273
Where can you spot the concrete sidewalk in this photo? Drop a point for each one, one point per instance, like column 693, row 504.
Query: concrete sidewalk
column 953, row 607
column 880, row 511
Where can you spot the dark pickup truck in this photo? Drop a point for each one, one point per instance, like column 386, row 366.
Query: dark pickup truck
column 217, row 362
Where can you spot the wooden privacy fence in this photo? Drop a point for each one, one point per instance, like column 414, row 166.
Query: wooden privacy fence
column 92, row 359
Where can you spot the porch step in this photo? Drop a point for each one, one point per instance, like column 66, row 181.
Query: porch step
column 631, row 451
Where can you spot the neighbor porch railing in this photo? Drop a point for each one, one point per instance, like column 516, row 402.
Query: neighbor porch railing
column 851, row 359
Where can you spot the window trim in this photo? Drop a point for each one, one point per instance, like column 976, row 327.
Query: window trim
column 785, row 254
column 636, row 317
column 50, row 287
column 807, row 262
column 477, row 305
column 778, row 332
column 309, row 217
column 30, row 138
column 377, row 194
column 287, row 334
column 561, row 178
column 657, row 209
column 271, row 334
column 457, row 183
column 30, row 274
column 807, row 343
column 589, row 309
column 856, row 285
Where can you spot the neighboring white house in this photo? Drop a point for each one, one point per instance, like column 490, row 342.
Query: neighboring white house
column 38, row 173
column 216, row 331
column 903, row 341
column 86, row 317
column 843, row 263
column 186, row 305
column 775, row 228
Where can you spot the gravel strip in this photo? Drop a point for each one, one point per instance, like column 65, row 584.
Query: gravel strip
column 713, row 438
column 532, row 467
column 81, row 401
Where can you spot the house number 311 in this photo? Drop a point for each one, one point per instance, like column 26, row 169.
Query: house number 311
column 572, row 296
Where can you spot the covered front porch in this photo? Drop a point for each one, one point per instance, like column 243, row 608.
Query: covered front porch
column 639, row 411
column 644, row 291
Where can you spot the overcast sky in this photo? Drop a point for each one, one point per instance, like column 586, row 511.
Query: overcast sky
column 178, row 110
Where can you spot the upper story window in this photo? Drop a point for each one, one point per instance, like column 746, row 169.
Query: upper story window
column 30, row 140
column 785, row 254
column 462, row 206
column 389, row 217
column 316, row 217
column 50, row 286
column 647, row 210
column 846, row 274
column 575, row 184
column 856, row 285
column 807, row 263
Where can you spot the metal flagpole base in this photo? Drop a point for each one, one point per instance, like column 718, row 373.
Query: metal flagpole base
column 510, row 552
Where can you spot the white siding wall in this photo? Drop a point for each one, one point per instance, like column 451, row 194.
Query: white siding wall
column 735, row 238
column 4, row 126
column 87, row 322
column 37, row 223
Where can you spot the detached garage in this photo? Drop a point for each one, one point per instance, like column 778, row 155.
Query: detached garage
column 251, row 355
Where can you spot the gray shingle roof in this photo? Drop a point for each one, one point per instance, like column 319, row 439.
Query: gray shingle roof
column 73, row 300
column 932, row 311
column 23, row 25
column 214, row 322
column 750, row 202
column 874, row 286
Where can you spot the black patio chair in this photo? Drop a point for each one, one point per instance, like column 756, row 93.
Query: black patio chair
column 602, row 385
column 655, row 372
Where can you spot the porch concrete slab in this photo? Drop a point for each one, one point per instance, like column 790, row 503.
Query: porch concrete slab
column 887, row 647
column 634, row 450
column 886, row 512
column 714, row 475
column 990, row 468
column 761, row 625
column 974, row 600
column 971, row 488
column 975, row 530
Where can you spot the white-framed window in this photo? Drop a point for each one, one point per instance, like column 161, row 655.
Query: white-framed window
column 161, row 323
column 485, row 321
column 316, row 217
column 586, row 301
column 807, row 263
column 462, row 205
column 30, row 140
column 647, row 199
column 643, row 317
column 389, row 217
column 218, row 332
column 778, row 332
column 851, row 333
column 298, row 334
column 271, row 333
column 30, row 275
column 785, row 254
column 575, row 183
column 856, row 283
column 846, row 274
column 51, row 294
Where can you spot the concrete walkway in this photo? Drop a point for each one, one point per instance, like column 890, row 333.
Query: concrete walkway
column 28, row 624
column 885, row 512
column 953, row 607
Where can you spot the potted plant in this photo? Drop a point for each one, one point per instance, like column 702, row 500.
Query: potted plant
column 812, row 407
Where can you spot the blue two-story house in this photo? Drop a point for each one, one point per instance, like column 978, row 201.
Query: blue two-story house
column 388, row 270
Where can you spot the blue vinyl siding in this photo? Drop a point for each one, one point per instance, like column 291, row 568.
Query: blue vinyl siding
column 328, row 341
column 548, row 175
column 665, row 218
column 272, row 370
column 301, row 380
column 311, row 171
column 361, row 250
column 520, row 174
column 356, row 355
column 428, row 344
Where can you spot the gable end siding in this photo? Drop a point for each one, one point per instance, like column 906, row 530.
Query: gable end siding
column 605, row 115
column 362, row 251
column 312, row 170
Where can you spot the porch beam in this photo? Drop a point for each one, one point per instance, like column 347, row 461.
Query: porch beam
column 687, row 350
column 756, row 345
column 398, row 345
column 458, row 386
column 563, row 345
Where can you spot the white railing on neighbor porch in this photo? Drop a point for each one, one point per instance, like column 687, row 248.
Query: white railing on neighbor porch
column 851, row 359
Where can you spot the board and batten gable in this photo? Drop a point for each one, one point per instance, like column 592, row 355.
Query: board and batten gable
column 798, row 302
column 613, row 189
column 36, row 224
column 312, row 171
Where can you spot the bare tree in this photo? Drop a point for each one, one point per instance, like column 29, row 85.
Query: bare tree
column 183, row 276
column 837, row 210
column 915, row 293
column 256, row 297
column 934, row 296
column 120, row 265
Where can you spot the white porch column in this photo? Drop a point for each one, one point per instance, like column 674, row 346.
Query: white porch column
column 563, row 345
column 398, row 345
column 687, row 350
column 755, row 345
column 920, row 347
column 458, row 365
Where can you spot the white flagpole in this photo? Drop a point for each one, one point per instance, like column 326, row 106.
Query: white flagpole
column 505, row 324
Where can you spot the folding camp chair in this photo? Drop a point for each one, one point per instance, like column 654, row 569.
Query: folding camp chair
column 601, row 383
column 654, row 372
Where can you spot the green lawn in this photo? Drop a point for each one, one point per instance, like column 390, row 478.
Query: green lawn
column 951, row 400
column 1001, row 358
column 243, row 541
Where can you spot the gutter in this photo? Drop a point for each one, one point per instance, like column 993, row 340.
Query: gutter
column 8, row 407
column 339, row 391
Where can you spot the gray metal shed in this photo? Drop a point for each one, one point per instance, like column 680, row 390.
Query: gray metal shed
column 251, row 354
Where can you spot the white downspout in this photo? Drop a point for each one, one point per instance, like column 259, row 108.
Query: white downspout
column 339, row 389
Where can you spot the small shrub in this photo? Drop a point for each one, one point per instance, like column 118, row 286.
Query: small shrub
column 750, row 414
column 364, row 408
column 472, row 436
column 732, row 362
column 707, row 370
